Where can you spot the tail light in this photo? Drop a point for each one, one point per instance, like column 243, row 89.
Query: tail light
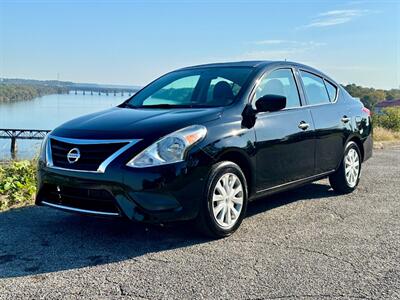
column 367, row 111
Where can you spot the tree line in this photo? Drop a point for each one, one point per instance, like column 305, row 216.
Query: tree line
column 370, row 96
column 16, row 92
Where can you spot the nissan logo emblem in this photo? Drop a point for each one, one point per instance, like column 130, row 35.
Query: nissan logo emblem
column 73, row 155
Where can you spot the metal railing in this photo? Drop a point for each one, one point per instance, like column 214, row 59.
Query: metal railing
column 23, row 134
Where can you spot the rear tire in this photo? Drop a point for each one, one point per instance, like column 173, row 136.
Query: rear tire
column 225, row 201
column 347, row 177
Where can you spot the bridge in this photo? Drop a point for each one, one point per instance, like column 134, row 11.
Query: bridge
column 103, row 91
column 91, row 90
column 23, row 134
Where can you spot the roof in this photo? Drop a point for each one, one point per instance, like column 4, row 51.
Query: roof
column 260, row 64
column 253, row 64
column 388, row 103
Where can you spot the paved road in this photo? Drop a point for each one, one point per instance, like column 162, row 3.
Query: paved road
column 305, row 244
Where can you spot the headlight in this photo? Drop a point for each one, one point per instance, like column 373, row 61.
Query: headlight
column 43, row 148
column 45, row 151
column 170, row 149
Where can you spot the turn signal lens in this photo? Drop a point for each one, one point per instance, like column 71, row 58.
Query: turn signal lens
column 194, row 137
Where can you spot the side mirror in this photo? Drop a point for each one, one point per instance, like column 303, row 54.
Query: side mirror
column 270, row 103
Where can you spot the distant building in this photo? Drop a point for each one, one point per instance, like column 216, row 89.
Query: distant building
column 387, row 103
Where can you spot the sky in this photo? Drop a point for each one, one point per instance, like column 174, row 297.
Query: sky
column 133, row 42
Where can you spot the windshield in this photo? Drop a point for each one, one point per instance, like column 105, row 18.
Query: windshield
column 200, row 87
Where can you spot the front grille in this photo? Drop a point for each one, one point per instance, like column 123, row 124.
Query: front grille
column 91, row 155
column 78, row 198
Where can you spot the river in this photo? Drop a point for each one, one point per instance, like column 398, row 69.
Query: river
column 47, row 112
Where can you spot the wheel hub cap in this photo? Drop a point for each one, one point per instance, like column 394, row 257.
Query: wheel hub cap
column 227, row 201
column 352, row 167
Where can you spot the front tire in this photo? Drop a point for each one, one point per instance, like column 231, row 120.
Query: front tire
column 225, row 201
column 347, row 177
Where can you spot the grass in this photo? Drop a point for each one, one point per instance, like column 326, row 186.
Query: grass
column 386, row 135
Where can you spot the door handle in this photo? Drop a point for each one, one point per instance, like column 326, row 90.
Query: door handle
column 345, row 119
column 303, row 125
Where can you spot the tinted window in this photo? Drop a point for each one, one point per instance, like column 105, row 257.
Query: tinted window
column 280, row 82
column 314, row 88
column 331, row 90
column 197, row 87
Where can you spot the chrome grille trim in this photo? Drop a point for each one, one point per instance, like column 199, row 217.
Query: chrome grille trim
column 102, row 167
column 88, row 142
column 93, row 212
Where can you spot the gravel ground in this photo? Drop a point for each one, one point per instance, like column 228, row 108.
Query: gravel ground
column 305, row 244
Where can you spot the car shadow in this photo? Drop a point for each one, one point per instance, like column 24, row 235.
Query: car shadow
column 37, row 240
column 311, row 191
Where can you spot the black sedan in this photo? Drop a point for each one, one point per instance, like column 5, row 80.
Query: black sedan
column 201, row 142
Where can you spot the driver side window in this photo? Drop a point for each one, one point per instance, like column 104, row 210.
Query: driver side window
column 280, row 82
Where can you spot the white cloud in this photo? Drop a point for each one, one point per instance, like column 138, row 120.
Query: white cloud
column 280, row 49
column 270, row 42
column 289, row 43
column 345, row 12
column 336, row 17
column 328, row 22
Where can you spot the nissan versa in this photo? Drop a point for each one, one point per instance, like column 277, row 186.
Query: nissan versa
column 201, row 142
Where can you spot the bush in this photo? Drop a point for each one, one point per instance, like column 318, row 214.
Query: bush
column 389, row 118
column 17, row 183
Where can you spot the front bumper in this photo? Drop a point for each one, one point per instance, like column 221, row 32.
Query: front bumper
column 157, row 194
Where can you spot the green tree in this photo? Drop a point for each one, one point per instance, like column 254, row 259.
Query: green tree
column 370, row 96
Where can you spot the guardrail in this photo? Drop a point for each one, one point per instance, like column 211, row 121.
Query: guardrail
column 23, row 134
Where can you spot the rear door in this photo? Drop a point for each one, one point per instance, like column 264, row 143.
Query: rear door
column 331, row 120
column 284, row 139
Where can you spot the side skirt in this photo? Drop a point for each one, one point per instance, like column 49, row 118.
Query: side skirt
column 289, row 185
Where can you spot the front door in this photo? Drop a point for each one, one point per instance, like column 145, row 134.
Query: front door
column 285, row 140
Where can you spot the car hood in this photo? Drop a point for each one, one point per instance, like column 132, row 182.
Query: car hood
column 127, row 123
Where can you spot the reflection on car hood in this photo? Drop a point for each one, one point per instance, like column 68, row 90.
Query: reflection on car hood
column 124, row 123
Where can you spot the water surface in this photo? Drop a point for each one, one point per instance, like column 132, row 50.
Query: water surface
column 48, row 112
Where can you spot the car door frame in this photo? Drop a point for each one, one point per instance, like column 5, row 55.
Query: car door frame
column 324, row 79
column 303, row 106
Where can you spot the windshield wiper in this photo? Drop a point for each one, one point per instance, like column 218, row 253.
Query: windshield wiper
column 165, row 105
column 128, row 105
